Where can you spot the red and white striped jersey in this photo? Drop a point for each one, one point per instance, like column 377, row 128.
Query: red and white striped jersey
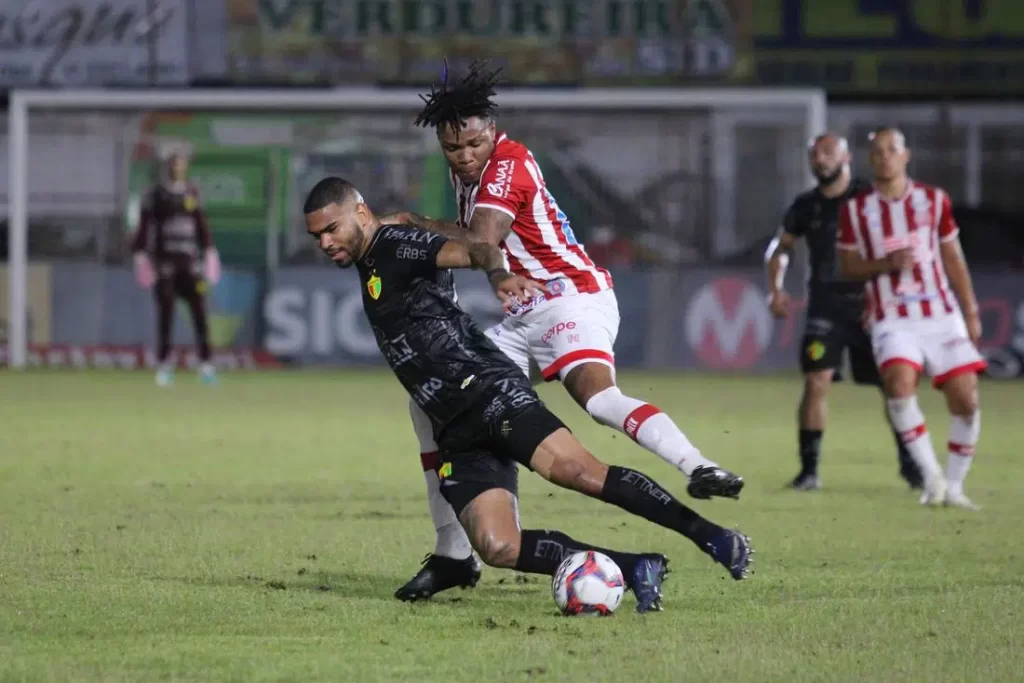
column 542, row 245
column 921, row 219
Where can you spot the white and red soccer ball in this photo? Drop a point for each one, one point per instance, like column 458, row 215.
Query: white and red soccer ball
column 588, row 582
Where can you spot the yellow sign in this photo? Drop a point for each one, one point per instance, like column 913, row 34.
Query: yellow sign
column 373, row 286
column 38, row 301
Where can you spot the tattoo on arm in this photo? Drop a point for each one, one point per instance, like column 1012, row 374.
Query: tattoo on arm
column 440, row 227
column 486, row 257
column 490, row 225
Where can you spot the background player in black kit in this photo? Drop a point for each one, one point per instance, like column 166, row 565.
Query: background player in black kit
column 486, row 416
column 836, row 308
column 174, row 253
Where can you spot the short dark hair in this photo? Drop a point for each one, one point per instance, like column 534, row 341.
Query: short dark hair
column 895, row 130
column 452, row 104
column 330, row 190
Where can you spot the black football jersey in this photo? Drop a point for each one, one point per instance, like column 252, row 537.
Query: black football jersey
column 815, row 217
column 441, row 357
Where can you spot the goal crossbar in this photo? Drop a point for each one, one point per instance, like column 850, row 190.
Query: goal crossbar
column 812, row 101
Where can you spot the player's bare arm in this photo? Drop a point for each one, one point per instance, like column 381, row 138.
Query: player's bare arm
column 777, row 258
column 855, row 267
column 488, row 258
column 960, row 279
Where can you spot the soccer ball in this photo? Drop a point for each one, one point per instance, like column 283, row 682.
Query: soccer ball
column 588, row 582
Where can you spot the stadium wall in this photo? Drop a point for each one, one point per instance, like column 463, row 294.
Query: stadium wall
column 694, row 319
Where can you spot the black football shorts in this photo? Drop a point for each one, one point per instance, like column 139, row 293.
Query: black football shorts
column 483, row 448
column 829, row 330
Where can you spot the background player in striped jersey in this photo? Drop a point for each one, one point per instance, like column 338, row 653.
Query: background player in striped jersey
column 567, row 335
column 835, row 305
column 902, row 239
column 174, row 254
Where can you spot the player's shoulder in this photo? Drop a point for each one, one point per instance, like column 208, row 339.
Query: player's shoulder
column 803, row 202
column 507, row 148
column 390, row 235
column 930, row 191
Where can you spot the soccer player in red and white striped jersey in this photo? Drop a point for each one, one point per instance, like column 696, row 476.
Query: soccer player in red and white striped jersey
column 567, row 334
column 901, row 238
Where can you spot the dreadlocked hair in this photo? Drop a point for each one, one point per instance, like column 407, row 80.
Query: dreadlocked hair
column 452, row 104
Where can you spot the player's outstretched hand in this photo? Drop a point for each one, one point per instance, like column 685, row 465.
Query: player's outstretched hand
column 779, row 304
column 517, row 287
column 900, row 259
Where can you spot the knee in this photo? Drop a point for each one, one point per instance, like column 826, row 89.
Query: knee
column 817, row 384
column 583, row 473
column 900, row 382
column 962, row 398
column 498, row 550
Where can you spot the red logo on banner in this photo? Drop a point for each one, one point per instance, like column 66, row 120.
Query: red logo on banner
column 728, row 325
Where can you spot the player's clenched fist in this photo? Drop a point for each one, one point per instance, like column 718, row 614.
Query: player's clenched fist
column 778, row 302
column 900, row 259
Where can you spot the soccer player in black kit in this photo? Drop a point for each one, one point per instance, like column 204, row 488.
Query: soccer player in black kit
column 174, row 254
column 836, row 308
column 486, row 416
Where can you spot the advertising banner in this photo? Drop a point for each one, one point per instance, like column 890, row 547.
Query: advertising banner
column 86, row 316
column 39, row 302
column 725, row 323
column 893, row 47
column 566, row 42
column 78, row 43
column 315, row 315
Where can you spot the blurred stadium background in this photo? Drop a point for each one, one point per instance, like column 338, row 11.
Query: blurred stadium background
column 679, row 202
column 256, row 531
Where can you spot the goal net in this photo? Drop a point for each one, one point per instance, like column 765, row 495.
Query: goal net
column 690, row 175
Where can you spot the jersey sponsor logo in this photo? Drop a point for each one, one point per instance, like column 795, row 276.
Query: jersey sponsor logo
column 502, row 183
column 427, row 392
column 373, row 286
column 397, row 351
column 410, row 253
column 728, row 324
column 557, row 330
column 409, row 235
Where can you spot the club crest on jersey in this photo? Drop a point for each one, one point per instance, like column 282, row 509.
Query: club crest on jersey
column 190, row 203
column 815, row 350
column 373, row 286
column 444, row 471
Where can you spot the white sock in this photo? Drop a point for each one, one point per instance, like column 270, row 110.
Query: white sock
column 451, row 537
column 908, row 420
column 648, row 426
column 963, row 437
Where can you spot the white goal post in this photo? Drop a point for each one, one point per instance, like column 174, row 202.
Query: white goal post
column 811, row 102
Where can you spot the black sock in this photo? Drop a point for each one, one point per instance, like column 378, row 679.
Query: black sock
column 540, row 552
column 810, row 450
column 639, row 494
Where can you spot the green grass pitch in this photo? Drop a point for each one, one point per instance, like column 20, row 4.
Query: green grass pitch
column 255, row 531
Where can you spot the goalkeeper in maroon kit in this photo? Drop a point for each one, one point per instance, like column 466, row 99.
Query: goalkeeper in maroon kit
column 175, row 255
